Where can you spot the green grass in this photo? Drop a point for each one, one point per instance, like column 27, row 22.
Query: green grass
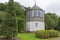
column 29, row 36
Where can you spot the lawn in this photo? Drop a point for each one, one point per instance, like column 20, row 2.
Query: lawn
column 29, row 36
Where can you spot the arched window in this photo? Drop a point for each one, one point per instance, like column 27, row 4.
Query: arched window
column 41, row 13
column 37, row 14
column 33, row 13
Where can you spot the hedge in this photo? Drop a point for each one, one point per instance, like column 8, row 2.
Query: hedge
column 46, row 33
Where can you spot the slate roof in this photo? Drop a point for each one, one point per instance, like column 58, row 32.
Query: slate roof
column 36, row 7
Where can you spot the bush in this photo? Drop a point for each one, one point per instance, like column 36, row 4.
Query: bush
column 53, row 33
column 42, row 34
column 46, row 33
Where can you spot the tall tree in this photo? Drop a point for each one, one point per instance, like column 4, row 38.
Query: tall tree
column 2, row 7
column 20, row 15
column 50, row 20
column 58, row 24
column 9, row 28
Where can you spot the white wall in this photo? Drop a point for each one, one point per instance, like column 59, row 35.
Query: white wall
column 31, row 26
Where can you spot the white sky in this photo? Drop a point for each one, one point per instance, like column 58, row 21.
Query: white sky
column 52, row 6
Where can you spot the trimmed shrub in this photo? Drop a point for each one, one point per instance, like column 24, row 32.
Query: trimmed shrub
column 46, row 33
column 42, row 34
column 53, row 33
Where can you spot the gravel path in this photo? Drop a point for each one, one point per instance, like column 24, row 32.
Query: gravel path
column 56, row 39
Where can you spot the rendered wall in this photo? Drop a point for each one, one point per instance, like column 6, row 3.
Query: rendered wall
column 31, row 26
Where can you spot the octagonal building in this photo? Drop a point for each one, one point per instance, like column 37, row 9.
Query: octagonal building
column 35, row 19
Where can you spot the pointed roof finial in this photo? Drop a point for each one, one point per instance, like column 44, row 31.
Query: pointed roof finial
column 35, row 2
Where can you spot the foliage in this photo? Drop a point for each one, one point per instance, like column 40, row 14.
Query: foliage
column 42, row 34
column 50, row 20
column 53, row 33
column 46, row 33
column 12, row 18
column 58, row 24
column 8, row 24
column 2, row 7
column 21, row 25
column 2, row 16
column 8, row 28
column 20, row 15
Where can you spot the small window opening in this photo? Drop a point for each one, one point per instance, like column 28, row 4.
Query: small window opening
column 36, row 24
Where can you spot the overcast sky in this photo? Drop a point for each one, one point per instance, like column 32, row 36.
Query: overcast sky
column 52, row 6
